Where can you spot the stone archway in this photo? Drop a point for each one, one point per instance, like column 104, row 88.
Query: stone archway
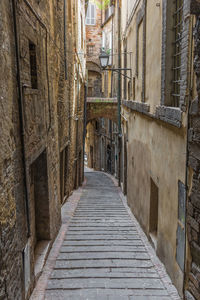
column 102, row 108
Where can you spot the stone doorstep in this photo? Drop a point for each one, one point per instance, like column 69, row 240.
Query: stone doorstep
column 41, row 253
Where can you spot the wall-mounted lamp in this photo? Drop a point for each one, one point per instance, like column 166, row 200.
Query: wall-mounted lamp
column 104, row 59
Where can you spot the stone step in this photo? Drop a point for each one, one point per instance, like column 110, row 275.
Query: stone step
column 102, row 263
column 127, row 283
column 104, row 273
column 106, row 228
column 108, row 294
column 99, row 249
column 79, row 237
column 102, row 242
column 103, row 255
column 103, row 232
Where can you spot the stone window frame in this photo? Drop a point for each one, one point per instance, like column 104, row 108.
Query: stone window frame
column 141, row 18
column 165, row 111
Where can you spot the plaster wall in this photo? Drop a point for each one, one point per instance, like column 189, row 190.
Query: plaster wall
column 158, row 152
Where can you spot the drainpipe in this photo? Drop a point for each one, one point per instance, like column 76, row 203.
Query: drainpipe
column 77, row 108
column 112, row 59
column 85, row 122
column 21, row 113
column 65, row 43
column 119, row 91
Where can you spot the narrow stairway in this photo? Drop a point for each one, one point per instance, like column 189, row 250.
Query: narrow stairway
column 103, row 255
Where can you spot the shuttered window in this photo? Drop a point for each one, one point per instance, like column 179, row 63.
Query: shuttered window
column 91, row 14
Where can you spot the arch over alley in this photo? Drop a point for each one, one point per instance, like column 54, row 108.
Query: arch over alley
column 102, row 108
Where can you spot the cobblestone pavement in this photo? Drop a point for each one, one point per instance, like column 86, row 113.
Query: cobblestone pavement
column 104, row 254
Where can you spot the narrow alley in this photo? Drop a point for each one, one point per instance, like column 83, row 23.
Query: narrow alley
column 100, row 149
column 104, row 253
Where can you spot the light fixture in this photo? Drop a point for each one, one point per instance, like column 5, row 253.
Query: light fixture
column 104, row 58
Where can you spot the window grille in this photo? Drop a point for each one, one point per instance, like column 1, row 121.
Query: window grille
column 90, row 50
column 91, row 14
column 33, row 65
column 178, row 27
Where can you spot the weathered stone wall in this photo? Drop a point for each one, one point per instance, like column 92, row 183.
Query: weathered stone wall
column 12, row 197
column 50, row 102
column 193, row 217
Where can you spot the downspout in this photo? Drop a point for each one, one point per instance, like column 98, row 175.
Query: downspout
column 65, row 44
column 21, row 113
column 77, row 108
column 119, row 91
column 85, row 122
column 112, row 59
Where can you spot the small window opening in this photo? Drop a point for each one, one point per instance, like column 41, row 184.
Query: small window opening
column 153, row 218
column 33, row 65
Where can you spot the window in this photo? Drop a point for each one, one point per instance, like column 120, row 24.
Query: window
column 177, row 28
column 153, row 213
column 172, row 45
column 33, row 65
column 91, row 14
column 90, row 50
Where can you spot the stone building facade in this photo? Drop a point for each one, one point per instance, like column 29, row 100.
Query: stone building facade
column 42, row 122
column 155, row 103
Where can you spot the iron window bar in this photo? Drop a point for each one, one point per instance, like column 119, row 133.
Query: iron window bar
column 178, row 36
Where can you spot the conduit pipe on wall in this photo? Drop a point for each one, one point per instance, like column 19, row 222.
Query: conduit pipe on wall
column 65, row 43
column 21, row 112
column 119, row 91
